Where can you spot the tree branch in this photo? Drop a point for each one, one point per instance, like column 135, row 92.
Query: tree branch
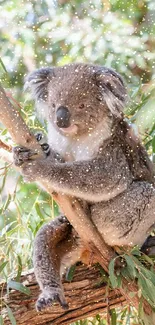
column 84, row 294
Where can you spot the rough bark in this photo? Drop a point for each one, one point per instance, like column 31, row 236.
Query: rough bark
column 85, row 296
column 11, row 118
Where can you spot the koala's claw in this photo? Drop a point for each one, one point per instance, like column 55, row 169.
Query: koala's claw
column 22, row 154
column 47, row 300
column 45, row 146
column 38, row 136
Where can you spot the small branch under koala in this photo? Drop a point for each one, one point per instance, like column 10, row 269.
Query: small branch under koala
column 12, row 120
column 5, row 146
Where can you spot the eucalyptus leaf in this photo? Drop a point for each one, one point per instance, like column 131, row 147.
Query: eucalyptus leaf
column 70, row 273
column 3, row 66
column 153, row 144
column 38, row 210
column 113, row 317
column 2, row 266
column 19, row 269
column 148, row 259
column 11, row 316
column 148, row 290
column 131, row 266
column 113, row 278
column 18, row 286
column 8, row 200
column 145, row 117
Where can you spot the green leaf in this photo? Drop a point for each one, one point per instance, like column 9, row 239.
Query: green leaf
column 10, row 315
column 119, row 281
column 148, row 289
column 8, row 200
column 19, row 269
column 140, row 307
column 113, row 278
column 148, row 274
column 126, row 274
column 34, row 231
column 135, row 251
column 70, row 273
column 145, row 117
column 153, row 144
column 18, row 286
column 98, row 318
column 148, row 259
column 2, row 187
column 131, row 266
column 123, row 314
column 2, row 266
column 38, row 210
column 3, row 66
column 105, row 277
column 4, row 132
column 113, row 317
column 1, row 320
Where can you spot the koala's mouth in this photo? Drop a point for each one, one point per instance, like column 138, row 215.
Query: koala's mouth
column 72, row 129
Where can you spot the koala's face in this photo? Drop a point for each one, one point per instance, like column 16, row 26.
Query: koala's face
column 78, row 97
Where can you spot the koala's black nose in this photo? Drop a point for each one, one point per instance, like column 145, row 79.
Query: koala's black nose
column 63, row 117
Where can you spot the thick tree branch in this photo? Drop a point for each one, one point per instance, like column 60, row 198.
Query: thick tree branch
column 81, row 222
column 84, row 294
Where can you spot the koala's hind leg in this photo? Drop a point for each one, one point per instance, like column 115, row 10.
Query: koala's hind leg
column 56, row 247
column 127, row 219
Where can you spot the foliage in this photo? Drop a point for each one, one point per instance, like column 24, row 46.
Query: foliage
column 139, row 267
column 114, row 33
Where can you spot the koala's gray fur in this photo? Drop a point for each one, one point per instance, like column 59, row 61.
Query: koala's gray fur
column 96, row 158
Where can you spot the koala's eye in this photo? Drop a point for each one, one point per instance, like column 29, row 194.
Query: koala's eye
column 81, row 106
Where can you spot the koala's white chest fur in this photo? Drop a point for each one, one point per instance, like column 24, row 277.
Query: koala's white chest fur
column 72, row 149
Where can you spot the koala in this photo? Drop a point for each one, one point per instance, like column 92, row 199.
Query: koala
column 94, row 156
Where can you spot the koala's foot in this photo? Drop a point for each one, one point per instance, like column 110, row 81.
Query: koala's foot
column 48, row 298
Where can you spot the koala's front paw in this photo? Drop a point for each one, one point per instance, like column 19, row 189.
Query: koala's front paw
column 22, row 154
column 48, row 298
column 30, row 167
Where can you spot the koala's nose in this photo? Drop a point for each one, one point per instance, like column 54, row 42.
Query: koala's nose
column 63, row 117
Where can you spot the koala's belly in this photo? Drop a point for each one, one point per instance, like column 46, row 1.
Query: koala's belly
column 128, row 218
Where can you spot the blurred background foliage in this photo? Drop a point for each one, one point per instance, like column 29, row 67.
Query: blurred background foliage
column 116, row 33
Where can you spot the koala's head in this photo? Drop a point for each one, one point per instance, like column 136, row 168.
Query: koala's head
column 76, row 98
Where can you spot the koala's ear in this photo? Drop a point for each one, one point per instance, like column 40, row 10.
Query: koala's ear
column 37, row 82
column 113, row 90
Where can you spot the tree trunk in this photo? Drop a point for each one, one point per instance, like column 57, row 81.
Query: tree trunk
column 85, row 295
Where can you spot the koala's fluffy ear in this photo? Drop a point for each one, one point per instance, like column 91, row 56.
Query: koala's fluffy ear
column 37, row 82
column 113, row 90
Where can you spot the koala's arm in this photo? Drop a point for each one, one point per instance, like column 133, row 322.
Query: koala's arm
column 94, row 180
